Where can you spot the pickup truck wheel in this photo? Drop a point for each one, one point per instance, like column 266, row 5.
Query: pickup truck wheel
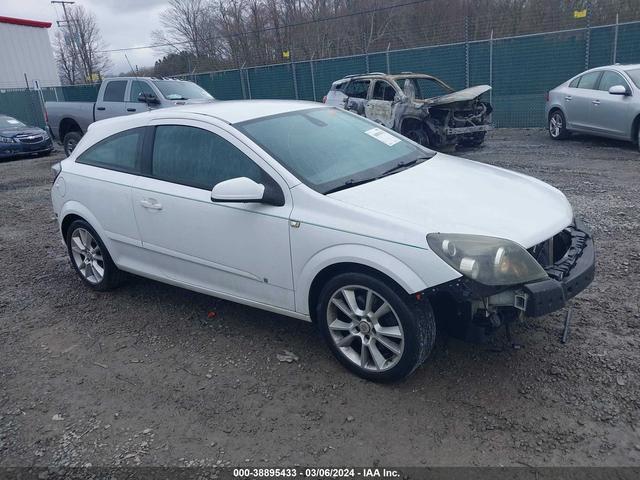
column 374, row 329
column 557, row 126
column 90, row 258
column 70, row 142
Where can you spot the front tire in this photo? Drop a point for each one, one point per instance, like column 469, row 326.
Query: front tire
column 374, row 329
column 557, row 126
column 90, row 258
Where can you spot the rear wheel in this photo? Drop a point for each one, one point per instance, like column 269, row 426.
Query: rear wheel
column 557, row 125
column 90, row 257
column 70, row 142
column 375, row 330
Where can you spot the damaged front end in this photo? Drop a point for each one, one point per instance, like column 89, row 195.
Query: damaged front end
column 471, row 311
column 459, row 118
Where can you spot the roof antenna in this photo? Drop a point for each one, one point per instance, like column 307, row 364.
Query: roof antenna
column 135, row 74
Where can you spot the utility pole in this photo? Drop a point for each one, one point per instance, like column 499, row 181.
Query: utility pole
column 67, row 22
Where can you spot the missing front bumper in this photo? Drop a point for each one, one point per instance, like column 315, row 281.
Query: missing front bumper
column 568, row 276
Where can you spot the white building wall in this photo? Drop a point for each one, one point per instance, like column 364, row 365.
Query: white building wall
column 26, row 50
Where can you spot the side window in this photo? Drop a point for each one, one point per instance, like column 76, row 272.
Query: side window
column 198, row 158
column 114, row 91
column 610, row 79
column 138, row 87
column 119, row 152
column 383, row 91
column 574, row 82
column 589, row 80
column 357, row 89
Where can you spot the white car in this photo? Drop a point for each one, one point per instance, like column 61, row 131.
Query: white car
column 319, row 214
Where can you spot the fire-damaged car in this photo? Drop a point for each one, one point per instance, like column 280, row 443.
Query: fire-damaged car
column 420, row 107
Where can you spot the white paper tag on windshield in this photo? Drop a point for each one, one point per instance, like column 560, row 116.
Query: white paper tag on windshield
column 383, row 136
column 13, row 122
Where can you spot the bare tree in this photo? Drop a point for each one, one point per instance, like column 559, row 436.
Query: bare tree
column 79, row 49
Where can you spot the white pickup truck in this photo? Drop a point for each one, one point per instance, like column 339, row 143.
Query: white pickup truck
column 68, row 121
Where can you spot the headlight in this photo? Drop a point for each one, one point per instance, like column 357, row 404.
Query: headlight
column 487, row 260
column 6, row 140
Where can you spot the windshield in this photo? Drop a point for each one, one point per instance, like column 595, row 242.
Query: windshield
column 423, row 87
column 327, row 148
column 8, row 122
column 635, row 76
column 179, row 90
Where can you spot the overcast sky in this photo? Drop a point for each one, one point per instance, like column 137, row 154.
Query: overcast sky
column 123, row 23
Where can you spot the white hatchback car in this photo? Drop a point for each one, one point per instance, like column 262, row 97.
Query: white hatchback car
column 322, row 215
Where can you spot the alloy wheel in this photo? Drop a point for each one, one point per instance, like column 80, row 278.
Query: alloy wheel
column 555, row 125
column 87, row 255
column 365, row 328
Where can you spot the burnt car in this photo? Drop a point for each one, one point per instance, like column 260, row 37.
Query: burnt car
column 419, row 106
column 18, row 139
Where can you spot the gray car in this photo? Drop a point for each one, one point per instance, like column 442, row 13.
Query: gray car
column 603, row 101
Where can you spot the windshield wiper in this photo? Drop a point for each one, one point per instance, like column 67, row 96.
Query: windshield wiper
column 402, row 165
column 348, row 184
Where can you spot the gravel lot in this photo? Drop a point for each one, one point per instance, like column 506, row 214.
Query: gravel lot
column 154, row 375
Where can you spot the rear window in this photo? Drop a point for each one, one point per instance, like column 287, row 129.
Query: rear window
column 589, row 80
column 119, row 152
column 114, row 91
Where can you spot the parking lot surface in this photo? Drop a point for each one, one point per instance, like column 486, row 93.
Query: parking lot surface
column 151, row 374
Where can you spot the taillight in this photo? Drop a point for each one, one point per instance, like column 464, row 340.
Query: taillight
column 324, row 99
column 56, row 168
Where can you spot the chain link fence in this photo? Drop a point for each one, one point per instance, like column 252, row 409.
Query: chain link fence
column 520, row 68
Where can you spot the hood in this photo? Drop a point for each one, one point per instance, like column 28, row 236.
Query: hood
column 13, row 131
column 453, row 195
column 192, row 101
column 465, row 95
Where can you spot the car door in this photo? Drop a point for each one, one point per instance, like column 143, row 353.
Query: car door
column 578, row 101
column 611, row 114
column 379, row 107
column 356, row 95
column 112, row 103
column 102, row 181
column 136, row 87
column 238, row 250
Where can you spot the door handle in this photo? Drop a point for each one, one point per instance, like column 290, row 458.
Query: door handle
column 131, row 109
column 100, row 108
column 568, row 97
column 596, row 102
column 150, row 204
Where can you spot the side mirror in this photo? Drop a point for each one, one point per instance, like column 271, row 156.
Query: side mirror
column 241, row 189
column 618, row 90
column 148, row 98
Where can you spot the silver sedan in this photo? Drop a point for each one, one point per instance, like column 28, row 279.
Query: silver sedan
column 603, row 101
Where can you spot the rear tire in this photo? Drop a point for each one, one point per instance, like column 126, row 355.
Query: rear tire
column 557, row 125
column 374, row 329
column 90, row 257
column 70, row 142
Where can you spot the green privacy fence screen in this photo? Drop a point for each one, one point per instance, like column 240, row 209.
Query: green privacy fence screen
column 521, row 69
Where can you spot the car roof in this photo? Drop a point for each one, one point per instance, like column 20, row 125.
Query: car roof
column 616, row 66
column 386, row 76
column 228, row 111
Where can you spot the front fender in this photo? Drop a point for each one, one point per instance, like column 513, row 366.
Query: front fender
column 371, row 257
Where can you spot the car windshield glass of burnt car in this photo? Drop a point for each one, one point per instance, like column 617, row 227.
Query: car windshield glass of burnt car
column 424, row 87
